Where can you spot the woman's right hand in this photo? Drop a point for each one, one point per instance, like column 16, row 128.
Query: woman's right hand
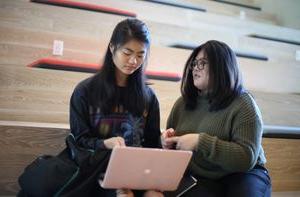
column 110, row 143
column 124, row 193
column 166, row 134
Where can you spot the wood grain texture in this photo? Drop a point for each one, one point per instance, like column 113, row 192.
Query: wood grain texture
column 26, row 93
column 40, row 95
column 21, row 145
column 33, row 43
column 100, row 25
column 258, row 75
column 27, row 31
column 283, row 163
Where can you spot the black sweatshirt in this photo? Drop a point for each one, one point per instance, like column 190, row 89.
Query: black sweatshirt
column 90, row 127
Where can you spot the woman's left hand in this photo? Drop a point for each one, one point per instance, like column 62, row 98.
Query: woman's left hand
column 184, row 142
column 152, row 193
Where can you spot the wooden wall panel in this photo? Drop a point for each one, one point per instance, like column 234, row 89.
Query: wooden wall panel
column 21, row 143
column 283, row 163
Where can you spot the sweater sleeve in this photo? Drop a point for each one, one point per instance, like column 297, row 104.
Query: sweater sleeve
column 173, row 116
column 152, row 125
column 241, row 152
column 79, row 120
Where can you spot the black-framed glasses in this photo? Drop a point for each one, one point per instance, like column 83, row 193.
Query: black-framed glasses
column 199, row 64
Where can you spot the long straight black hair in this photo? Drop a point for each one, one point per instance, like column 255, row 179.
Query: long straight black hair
column 225, row 81
column 104, row 91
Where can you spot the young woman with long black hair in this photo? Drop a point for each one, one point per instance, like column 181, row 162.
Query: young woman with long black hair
column 115, row 107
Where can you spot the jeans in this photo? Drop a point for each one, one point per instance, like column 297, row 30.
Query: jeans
column 254, row 183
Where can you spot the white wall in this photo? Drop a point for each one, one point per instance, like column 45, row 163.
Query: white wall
column 287, row 12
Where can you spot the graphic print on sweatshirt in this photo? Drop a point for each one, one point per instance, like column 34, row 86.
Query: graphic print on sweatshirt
column 121, row 124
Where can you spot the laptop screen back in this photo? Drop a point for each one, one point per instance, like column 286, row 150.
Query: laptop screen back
column 145, row 168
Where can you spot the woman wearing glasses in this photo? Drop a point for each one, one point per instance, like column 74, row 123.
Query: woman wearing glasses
column 220, row 122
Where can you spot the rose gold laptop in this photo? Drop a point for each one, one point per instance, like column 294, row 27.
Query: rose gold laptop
column 145, row 168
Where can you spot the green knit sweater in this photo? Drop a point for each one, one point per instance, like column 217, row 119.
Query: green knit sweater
column 229, row 139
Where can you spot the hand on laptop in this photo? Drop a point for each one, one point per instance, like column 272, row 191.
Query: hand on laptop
column 110, row 143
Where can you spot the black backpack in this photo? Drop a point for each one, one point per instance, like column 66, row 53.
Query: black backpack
column 73, row 172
